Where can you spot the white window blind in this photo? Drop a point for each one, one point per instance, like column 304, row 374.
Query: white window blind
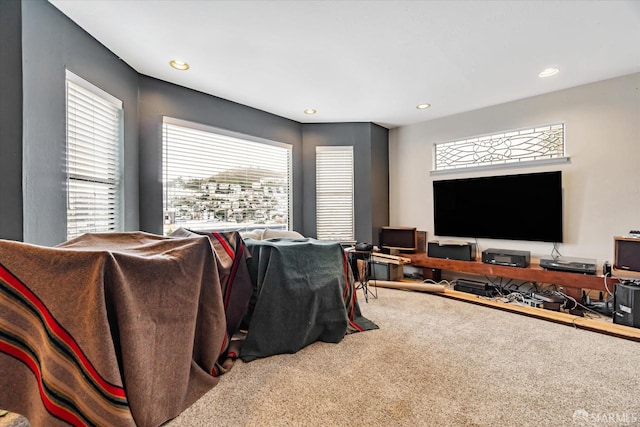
column 334, row 193
column 94, row 140
column 215, row 180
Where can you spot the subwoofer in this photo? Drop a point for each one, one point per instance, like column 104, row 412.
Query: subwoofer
column 626, row 305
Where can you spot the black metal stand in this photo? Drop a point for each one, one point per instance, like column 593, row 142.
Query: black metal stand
column 362, row 272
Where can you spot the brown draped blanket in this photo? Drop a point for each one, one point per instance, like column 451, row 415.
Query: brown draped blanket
column 231, row 257
column 123, row 329
column 109, row 329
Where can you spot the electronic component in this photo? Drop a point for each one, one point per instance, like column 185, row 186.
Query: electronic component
column 606, row 269
column 461, row 251
column 626, row 305
column 506, row 257
column 547, row 297
column 576, row 265
column 474, row 287
column 532, row 302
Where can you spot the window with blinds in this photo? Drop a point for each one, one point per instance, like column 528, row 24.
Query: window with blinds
column 217, row 180
column 334, row 193
column 93, row 158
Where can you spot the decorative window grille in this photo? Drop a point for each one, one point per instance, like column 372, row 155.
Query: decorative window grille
column 334, row 193
column 218, row 180
column 505, row 148
column 94, row 140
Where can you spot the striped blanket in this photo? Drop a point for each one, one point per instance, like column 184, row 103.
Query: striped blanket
column 129, row 329
column 109, row 329
column 231, row 259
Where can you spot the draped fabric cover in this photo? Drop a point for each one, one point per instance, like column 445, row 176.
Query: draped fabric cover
column 304, row 292
column 231, row 257
column 108, row 329
column 131, row 328
column 285, row 292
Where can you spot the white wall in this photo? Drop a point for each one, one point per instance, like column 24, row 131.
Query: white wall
column 601, row 184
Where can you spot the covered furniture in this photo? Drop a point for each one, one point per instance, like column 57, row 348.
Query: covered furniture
column 109, row 329
column 131, row 328
column 304, row 292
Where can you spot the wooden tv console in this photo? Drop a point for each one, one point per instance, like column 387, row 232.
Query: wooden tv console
column 572, row 283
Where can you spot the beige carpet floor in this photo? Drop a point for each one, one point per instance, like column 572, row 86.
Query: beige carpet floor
column 435, row 362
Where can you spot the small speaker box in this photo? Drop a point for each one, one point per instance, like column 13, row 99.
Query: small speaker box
column 627, row 253
column 457, row 251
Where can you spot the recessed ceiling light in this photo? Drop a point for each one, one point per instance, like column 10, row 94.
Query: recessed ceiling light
column 548, row 72
column 423, row 106
column 310, row 111
column 179, row 65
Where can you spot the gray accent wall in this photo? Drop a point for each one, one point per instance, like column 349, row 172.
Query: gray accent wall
column 159, row 98
column 11, row 120
column 42, row 42
column 371, row 174
column 52, row 43
column 379, row 178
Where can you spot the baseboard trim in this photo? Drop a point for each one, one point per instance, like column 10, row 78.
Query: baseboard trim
column 586, row 323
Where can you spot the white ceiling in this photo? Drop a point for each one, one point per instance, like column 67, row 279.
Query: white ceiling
column 368, row 61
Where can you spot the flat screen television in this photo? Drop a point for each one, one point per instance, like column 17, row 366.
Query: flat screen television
column 399, row 238
column 510, row 207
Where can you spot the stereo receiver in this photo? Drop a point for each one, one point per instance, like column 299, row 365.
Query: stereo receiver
column 507, row 257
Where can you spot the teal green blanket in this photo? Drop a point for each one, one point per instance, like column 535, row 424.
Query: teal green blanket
column 303, row 292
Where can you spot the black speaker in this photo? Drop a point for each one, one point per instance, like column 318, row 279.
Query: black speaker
column 627, row 253
column 458, row 251
column 626, row 305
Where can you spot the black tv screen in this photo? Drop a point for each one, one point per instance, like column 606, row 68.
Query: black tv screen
column 509, row 207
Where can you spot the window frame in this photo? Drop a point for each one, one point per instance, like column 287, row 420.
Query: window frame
column 320, row 226
column 107, row 176
column 495, row 150
column 235, row 137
